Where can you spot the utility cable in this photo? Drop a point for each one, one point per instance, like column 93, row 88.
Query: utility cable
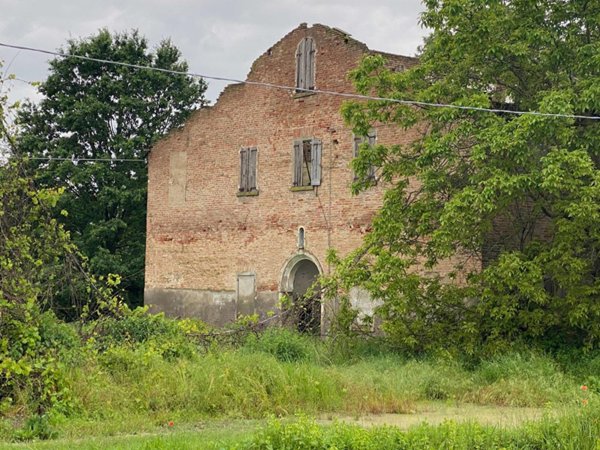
column 296, row 89
column 52, row 158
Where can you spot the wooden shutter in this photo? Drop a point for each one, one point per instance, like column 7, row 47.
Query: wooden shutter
column 357, row 141
column 301, row 65
column 244, row 169
column 297, row 178
column 252, row 156
column 372, row 140
column 315, row 172
column 310, row 63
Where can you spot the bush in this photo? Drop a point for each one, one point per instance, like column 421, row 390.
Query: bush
column 133, row 327
column 32, row 374
column 169, row 338
column 60, row 337
column 36, row 427
column 283, row 344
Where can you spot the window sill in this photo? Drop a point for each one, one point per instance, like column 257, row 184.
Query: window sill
column 303, row 94
column 247, row 193
column 371, row 179
column 301, row 188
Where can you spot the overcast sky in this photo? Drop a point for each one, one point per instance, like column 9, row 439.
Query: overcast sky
column 216, row 37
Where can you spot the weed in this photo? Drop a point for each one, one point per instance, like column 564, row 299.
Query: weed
column 36, row 427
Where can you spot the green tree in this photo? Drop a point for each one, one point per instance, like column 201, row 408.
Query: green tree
column 38, row 261
column 513, row 199
column 31, row 243
column 93, row 110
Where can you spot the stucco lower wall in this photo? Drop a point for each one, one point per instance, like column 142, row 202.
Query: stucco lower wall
column 214, row 307
column 219, row 308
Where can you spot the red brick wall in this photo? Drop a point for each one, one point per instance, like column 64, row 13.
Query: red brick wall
column 204, row 240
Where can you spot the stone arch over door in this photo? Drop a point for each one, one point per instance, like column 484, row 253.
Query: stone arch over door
column 299, row 274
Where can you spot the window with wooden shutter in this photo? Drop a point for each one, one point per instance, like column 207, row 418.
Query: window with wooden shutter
column 248, row 162
column 307, row 163
column 305, row 65
column 370, row 140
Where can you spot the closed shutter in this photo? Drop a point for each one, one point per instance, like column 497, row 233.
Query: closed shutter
column 357, row 141
column 315, row 172
column 297, row 176
column 305, row 64
column 252, row 169
column 310, row 63
column 243, row 169
column 372, row 140
column 301, row 66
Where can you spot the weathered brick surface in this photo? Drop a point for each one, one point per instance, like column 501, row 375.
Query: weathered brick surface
column 202, row 235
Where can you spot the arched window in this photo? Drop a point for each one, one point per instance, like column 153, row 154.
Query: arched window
column 301, row 237
column 305, row 64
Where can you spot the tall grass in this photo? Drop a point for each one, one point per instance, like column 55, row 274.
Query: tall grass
column 576, row 431
column 277, row 377
column 139, row 374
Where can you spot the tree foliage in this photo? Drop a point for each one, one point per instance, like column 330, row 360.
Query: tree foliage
column 31, row 245
column 94, row 110
column 512, row 202
column 38, row 262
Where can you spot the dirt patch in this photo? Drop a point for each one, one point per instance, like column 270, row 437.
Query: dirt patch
column 437, row 413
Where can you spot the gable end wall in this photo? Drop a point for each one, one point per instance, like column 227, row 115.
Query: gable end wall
column 197, row 245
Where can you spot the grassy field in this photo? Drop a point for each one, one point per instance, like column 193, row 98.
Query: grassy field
column 242, row 384
column 143, row 396
column 207, row 435
column 88, row 433
column 571, row 429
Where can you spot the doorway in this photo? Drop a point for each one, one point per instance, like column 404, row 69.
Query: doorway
column 299, row 277
column 306, row 298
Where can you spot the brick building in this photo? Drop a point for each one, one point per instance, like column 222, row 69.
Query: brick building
column 245, row 200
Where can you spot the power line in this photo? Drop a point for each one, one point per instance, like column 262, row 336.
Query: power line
column 295, row 89
column 52, row 158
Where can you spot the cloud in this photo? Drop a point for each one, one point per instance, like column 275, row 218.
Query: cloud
column 216, row 37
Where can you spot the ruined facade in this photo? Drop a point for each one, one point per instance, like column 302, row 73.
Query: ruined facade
column 245, row 200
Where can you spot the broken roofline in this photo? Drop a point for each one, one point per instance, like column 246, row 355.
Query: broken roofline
column 398, row 62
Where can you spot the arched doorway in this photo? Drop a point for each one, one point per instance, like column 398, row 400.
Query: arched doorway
column 299, row 278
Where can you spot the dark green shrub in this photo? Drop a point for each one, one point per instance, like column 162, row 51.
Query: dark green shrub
column 436, row 390
column 59, row 337
column 134, row 327
column 283, row 344
column 160, row 335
